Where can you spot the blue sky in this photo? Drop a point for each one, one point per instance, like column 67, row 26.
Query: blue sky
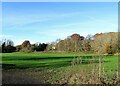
column 48, row 21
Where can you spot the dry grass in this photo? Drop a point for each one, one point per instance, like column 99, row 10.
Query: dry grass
column 94, row 73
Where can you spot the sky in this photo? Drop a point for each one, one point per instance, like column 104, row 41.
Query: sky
column 48, row 21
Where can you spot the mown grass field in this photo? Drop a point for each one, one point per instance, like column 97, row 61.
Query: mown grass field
column 50, row 67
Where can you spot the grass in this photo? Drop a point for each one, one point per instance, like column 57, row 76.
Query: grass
column 51, row 67
column 36, row 60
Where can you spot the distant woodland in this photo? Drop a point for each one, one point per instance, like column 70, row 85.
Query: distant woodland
column 100, row 43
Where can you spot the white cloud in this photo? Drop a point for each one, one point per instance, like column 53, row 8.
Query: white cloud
column 92, row 26
column 3, row 36
column 15, row 21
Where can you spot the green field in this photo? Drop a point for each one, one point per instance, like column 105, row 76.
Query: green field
column 53, row 67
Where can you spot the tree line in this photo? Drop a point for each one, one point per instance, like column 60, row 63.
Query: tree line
column 7, row 46
column 102, row 43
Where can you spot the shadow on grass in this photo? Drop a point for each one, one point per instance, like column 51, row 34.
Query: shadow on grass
column 40, row 65
column 57, row 64
column 46, row 58
column 43, row 65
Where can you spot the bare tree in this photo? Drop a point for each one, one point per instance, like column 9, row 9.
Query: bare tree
column 7, row 46
column 105, row 43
